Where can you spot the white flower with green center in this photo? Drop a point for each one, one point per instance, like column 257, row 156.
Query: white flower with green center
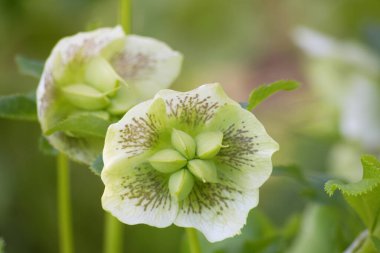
column 195, row 159
column 95, row 77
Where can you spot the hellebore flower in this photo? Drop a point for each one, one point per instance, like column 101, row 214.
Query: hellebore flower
column 195, row 159
column 91, row 79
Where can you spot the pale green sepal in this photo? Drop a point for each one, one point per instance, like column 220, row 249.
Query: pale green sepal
column 85, row 97
column 180, row 184
column 208, row 144
column 184, row 143
column 167, row 161
column 100, row 74
column 124, row 99
column 205, row 170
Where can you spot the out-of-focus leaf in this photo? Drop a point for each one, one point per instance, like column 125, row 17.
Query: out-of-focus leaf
column 19, row 107
column 97, row 165
column 264, row 91
column 2, row 245
column 263, row 245
column 290, row 171
column 84, row 124
column 45, row 147
column 319, row 224
column 29, row 67
column 362, row 196
column 376, row 242
column 291, row 227
column 372, row 34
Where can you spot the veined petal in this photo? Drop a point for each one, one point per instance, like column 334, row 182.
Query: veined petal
column 193, row 109
column 139, row 195
column 147, row 64
column 218, row 210
column 246, row 154
column 137, row 133
column 134, row 191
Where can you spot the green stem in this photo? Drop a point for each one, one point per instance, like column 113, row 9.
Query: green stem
column 64, row 206
column 192, row 238
column 113, row 237
column 125, row 15
column 113, row 233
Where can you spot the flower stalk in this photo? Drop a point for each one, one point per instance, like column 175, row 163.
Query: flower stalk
column 64, row 206
column 193, row 241
column 125, row 16
column 113, row 238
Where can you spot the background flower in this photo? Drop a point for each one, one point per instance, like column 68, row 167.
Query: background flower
column 92, row 78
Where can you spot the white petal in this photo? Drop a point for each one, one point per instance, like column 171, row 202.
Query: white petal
column 139, row 195
column 147, row 64
column 192, row 109
column 246, row 155
column 136, row 133
column 219, row 211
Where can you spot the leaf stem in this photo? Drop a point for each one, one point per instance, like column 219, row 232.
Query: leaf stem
column 192, row 238
column 64, row 205
column 113, row 236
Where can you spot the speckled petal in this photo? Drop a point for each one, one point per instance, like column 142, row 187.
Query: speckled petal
column 247, row 149
column 134, row 191
column 138, row 195
column 191, row 110
column 139, row 133
column 219, row 210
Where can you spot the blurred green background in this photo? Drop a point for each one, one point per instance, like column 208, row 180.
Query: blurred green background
column 241, row 44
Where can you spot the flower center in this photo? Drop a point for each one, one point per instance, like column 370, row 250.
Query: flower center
column 96, row 86
column 189, row 159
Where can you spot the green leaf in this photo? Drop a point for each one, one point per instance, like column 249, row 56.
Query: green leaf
column 45, row 147
column 264, row 91
column 376, row 242
column 320, row 223
column 2, row 245
column 84, row 124
column 362, row 196
column 292, row 171
column 19, row 107
column 97, row 165
column 29, row 67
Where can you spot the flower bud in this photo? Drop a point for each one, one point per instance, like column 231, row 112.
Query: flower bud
column 85, row 97
column 167, row 161
column 101, row 75
column 209, row 144
column 205, row 170
column 180, row 184
column 184, row 143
